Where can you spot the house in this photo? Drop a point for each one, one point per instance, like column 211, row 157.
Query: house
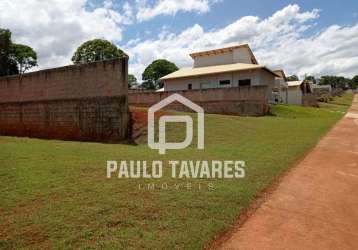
column 294, row 92
column 322, row 92
column 221, row 68
column 324, row 88
column 300, row 93
column 280, row 87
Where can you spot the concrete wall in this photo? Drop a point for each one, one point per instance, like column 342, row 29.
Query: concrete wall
column 268, row 79
column 280, row 88
column 322, row 92
column 239, row 55
column 258, row 77
column 211, row 60
column 242, row 55
column 235, row 100
column 79, row 102
column 294, row 95
column 283, row 95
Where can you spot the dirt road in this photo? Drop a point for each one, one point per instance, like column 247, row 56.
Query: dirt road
column 316, row 204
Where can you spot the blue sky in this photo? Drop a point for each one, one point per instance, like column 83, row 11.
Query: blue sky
column 227, row 11
column 302, row 37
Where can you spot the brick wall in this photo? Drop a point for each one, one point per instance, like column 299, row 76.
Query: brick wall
column 77, row 102
column 236, row 100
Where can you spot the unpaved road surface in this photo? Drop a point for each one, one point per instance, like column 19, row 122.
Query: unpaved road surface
column 316, row 204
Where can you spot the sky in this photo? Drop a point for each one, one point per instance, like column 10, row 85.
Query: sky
column 315, row 37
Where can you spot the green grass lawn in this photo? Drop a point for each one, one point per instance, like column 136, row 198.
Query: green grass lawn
column 339, row 104
column 54, row 194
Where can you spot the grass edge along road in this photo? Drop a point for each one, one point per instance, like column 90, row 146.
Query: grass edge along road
column 54, row 194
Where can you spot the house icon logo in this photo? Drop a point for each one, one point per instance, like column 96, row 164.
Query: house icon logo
column 162, row 145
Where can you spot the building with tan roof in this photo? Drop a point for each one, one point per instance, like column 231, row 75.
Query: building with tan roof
column 221, row 68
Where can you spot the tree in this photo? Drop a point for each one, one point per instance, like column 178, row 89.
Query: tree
column 292, row 78
column 24, row 56
column 96, row 50
column 335, row 81
column 310, row 78
column 7, row 65
column 156, row 70
column 14, row 58
column 354, row 82
column 132, row 81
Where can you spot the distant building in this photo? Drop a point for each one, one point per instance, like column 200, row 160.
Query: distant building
column 292, row 92
column 280, row 87
column 300, row 93
column 221, row 68
column 325, row 88
column 322, row 92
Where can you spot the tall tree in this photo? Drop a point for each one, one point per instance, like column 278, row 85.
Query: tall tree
column 96, row 50
column 7, row 65
column 14, row 58
column 335, row 81
column 354, row 82
column 292, row 78
column 156, row 70
column 24, row 56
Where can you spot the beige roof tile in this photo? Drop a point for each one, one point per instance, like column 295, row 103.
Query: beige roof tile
column 188, row 72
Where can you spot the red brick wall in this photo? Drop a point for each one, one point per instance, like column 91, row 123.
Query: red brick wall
column 107, row 78
column 78, row 102
column 236, row 100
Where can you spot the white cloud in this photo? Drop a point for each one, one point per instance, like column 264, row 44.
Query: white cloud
column 54, row 28
column 333, row 51
column 286, row 39
column 279, row 41
column 171, row 7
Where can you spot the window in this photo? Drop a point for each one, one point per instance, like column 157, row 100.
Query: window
column 190, row 86
column 224, row 82
column 244, row 82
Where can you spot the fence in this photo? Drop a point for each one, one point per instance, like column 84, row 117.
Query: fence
column 250, row 100
column 78, row 102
